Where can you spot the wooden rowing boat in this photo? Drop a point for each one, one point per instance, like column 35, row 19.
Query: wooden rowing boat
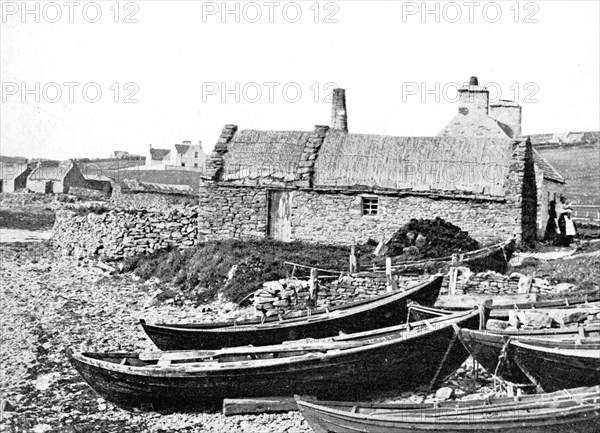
column 573, row 411
column 386, row 310
column 491, row 348
column 554, row 365
column 399, row 358
column 504, row 304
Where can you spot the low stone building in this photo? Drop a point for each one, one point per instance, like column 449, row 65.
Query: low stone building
column 331, row 186
column 55, row 177
column 13, row 176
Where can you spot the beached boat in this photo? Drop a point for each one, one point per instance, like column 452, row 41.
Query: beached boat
column 398, row 358
column 502, row 305
column 386, row 310
column 572, row 411
column 560, row 364
column 491, row 348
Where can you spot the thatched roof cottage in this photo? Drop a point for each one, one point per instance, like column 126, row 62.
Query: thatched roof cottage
column 13, row 176
column 55, row 177
column 331, row 186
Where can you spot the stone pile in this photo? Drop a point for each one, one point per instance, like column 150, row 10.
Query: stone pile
column 425, row 238
column 288, row 295
column 119, row 233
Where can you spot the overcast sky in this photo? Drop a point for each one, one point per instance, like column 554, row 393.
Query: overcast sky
column 182, row 65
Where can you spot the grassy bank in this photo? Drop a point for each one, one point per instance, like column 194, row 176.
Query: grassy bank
column 236, row 268
column 27, row 219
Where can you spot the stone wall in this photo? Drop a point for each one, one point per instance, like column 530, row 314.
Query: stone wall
column 120, row 233
column 238, row 212
column 289, row 295
column 320, row 217
column 232, row 212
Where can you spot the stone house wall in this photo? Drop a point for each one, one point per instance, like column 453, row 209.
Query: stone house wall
column 237, row 211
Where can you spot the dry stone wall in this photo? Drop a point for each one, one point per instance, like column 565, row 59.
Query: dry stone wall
column 121, row 233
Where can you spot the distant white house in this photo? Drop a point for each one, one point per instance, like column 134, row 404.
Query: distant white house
column 185, row 156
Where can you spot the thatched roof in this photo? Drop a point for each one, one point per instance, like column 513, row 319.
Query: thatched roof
column 159, row 154
column 97, row 177
column 182, row 148
column 549, row 171
column 10, row 171
column 55, row 171
column 444, row 164
column 256, row 155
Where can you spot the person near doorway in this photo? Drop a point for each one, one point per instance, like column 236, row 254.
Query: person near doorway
column 552, row 232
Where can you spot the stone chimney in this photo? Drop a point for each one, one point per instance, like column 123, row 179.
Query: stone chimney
column 339, row 115
column 509, row 114
column 474, row 99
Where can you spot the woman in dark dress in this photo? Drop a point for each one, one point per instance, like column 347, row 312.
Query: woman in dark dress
column 551, row 233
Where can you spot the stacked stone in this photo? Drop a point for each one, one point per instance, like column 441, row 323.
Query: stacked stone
column 281, row 297
column 121, row 233
column 306, row 165
column 288, row 295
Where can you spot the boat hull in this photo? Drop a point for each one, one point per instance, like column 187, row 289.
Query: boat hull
column 554, row 371
column 424, row 359
column 491, row 348
column 392, row 310
column 325, row 419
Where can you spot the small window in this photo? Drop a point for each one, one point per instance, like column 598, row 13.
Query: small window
column 370, row 206
column 183, row 164
column 196, row 155
column 196, row 165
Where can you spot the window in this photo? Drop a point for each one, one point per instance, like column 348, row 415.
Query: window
column 196, row 165
column 196, row 155
column 370, row 206
column 183, row 164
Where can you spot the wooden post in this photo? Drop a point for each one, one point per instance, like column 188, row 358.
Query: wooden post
column 353, row 262
column 312, row 286
column 453, row 275
column 388, row 274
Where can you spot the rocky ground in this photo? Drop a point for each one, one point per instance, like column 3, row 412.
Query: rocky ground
column 51, row 303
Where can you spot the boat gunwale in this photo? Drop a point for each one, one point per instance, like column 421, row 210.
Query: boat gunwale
column 323, row 316
column 184, row 370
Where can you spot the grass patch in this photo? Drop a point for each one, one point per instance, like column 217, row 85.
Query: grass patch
column 27, row 219
column 236, row 268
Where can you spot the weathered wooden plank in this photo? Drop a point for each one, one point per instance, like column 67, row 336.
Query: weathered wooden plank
column 469, row 301
column 244, row 406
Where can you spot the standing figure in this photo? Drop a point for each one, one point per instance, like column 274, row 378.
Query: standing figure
column 563, row 212
column 552, row 230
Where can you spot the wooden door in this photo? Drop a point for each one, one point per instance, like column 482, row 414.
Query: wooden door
column 280, row 215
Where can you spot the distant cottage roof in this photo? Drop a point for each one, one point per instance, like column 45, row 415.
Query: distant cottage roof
column 259, row 154
column 159, row 154
column 444, row 164
column 182, row 148
column 97, row 177
column 12, row 170
column 134, row 185
column 51, row 170
column 548, row 170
